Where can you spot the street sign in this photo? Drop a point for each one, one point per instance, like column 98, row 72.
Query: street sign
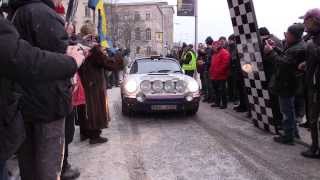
column 186, row 7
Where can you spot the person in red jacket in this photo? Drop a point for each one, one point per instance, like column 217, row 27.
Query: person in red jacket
column 219, row 73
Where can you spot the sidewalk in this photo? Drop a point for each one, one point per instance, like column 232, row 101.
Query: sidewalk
column 304, row 133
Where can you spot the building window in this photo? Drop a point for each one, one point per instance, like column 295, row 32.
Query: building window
column 148, row 34
column 137, row 34
column 136, row 16
column 149, row 51
column 87, row 12
column 148, row 16
column 126, row 17
column 138, row 50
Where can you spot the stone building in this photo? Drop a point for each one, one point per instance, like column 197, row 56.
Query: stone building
column 83, row 13
column 146, row 28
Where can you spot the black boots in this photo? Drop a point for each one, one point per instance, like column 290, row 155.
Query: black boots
column 313, row 153
column 98, row 140
column 69, row 173
column 284, row 140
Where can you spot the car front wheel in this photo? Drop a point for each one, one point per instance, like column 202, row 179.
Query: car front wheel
column 192, row 111
column 125, row 109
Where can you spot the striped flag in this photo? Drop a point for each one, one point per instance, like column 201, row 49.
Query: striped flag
column 102, row 21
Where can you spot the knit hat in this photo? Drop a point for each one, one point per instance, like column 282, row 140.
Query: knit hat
column 209, row 40
column 263, row 31
column 312, row 13
column 297, row 30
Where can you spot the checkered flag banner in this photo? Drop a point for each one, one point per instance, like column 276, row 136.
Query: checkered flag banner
column 249, row 49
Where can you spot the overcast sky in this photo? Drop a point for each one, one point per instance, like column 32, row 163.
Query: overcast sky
column 214, row 17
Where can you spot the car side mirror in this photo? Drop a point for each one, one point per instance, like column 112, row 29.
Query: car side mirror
column 183, row 71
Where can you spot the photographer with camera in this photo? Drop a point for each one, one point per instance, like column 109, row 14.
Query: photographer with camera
column 284, row 82
column 20, row 62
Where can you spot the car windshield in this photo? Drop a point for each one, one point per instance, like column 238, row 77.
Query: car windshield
column 151, row 66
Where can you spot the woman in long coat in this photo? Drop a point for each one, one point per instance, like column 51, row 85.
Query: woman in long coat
column 94, row 84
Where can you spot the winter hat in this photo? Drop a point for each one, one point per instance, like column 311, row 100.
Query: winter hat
column 263, row 31
column 312, row 13
column 297, row 30
column 209, row 40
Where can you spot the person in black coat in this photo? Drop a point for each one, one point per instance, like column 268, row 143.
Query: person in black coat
column 207, row 63
column 269, row 69
column 20, row 62
column 237, row 76
column 46, row 104
column 312, row 69
column 283, row 82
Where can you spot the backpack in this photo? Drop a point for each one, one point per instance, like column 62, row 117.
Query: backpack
column 12, row 132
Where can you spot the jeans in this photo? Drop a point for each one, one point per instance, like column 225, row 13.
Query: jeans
column 69, row 134
column 41, row 155
column 209, row 89
column 313, row 113
column 300, row 106
column 221, row 92
column 287, row 108
column 3, row 170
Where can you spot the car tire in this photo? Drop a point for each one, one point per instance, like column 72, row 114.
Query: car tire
column 193, row 111
column 125, row 109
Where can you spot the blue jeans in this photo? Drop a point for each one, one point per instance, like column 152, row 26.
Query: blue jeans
column 287, row 108
column 3, row 170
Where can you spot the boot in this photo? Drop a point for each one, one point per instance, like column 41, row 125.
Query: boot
column 69, row 173
column 98, row 140
column 284, row 140
column 312, row 153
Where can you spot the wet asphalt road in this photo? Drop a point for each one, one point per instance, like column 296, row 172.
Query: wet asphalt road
column 213, row 145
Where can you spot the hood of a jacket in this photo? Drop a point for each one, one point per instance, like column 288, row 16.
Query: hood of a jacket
column 15, row 4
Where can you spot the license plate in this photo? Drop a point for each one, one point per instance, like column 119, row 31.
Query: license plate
column 163, row 107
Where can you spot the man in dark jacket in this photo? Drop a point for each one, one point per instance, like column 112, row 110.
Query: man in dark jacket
column 237, row 76
column 21, row 62
column 312, row 23
column 283, row 82
column 46, row 104
column 269, row 71
column 207, row 63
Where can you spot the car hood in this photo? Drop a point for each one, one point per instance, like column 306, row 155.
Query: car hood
column 159, row 76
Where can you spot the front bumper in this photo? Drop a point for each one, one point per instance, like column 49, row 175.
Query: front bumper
column 146, row 106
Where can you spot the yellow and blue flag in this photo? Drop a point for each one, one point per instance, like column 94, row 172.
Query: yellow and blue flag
column 102, row 21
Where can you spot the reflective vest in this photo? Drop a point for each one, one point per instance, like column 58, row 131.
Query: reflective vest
column 192, row 66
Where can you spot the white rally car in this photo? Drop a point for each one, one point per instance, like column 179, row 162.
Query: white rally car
column 158, row 84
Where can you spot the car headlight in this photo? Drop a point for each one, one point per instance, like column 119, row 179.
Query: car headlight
column 131, row 86
column 193, row 86
column 169, row 86
column 145, row 86
column 157, row 86
column 180, row 86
